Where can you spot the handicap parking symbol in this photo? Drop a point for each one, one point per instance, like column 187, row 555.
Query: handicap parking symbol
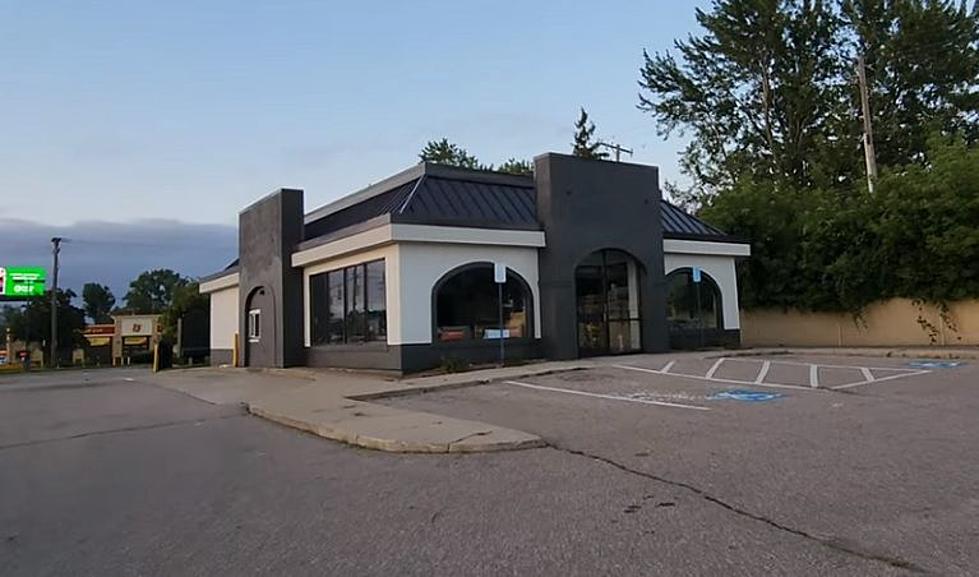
column 935, row 364
column 745, row 396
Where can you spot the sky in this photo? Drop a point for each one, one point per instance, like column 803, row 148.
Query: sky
column 138, row 129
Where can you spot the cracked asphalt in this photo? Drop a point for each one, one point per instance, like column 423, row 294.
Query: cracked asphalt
column 105, row 474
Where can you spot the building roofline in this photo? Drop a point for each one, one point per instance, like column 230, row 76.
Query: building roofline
column 418, row 171
column 363, row 194
column 215, row 276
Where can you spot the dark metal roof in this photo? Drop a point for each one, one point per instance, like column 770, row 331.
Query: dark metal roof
column 679, row 224
column 453, row 199
column 434, row 194
column 383, row 203
column 444, row 200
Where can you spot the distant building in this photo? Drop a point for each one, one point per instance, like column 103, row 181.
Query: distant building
column 401, row 275
column 128, row 339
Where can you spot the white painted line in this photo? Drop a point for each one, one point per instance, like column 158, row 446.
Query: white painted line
column 779, row 362
column 716, row 380
column 608, row 397
column 763, row 372
column 814, row 376
column 129, row 379
column 867, row 375
column 668, row 366
column 892, row 377
column 713, row 368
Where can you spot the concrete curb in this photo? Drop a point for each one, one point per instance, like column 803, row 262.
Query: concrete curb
column 473, row 443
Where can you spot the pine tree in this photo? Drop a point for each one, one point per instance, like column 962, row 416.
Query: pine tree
column 583, row 145
column 448, row 153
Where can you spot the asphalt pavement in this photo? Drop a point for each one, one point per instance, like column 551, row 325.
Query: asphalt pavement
column 107, row 474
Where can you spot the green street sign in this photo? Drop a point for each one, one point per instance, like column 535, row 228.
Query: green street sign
column 22, row 282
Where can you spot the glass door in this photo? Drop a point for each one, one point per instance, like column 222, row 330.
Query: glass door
column 607, row 290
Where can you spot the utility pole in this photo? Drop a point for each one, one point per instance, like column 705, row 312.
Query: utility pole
column 617, row 149
column 55, row 249
column 868, row 129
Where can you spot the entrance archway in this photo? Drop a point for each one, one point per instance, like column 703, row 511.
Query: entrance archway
column 607, row 297
column 260, row 329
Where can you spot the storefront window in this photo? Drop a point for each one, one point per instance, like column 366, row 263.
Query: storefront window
column 348, row 305
column 468, row 307
column 683, row 312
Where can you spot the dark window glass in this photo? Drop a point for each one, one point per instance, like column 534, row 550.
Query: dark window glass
column 318, row 309
column 355, row 304
column 348, row 305
column 334, row 328
column 467, row 307
column 377, row 318
column 682, row 311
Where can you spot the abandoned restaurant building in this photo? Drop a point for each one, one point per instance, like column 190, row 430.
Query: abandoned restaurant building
column 403, row 275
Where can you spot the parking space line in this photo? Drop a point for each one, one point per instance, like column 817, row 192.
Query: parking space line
column 814, row 376
column 763, row 372
column 713, row 368
column 867, row 375
column 668, row 366
column 823, row 365
column 717, row 380
column 606, row 396
column 888, row 378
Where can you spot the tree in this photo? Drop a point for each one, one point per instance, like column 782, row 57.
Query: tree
column 756, row 93
column 187, row 300
column 152, row 291
column 923, row 71
column 32, row 323
column 584, row 146
column 519, row 167
column 767, row 92
column 98, row 302
column 445, row 152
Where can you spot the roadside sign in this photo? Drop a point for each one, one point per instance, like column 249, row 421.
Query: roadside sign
column 696, row 274
column 499, row 273
column 22, row 282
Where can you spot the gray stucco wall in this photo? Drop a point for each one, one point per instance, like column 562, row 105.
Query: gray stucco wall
column 268, row 232
column 588, row 205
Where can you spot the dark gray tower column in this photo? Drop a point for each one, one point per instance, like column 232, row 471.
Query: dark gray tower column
column 268, row 232
column 589, row 205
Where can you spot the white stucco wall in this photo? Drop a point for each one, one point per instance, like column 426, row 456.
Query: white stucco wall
column 224, row 317
column 722, row 270
column 423, row 264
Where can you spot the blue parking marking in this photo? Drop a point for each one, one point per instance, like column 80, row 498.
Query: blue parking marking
column 745, row 396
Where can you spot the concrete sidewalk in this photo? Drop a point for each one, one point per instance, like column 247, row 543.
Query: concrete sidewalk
column 331, row 404
column 335, row 404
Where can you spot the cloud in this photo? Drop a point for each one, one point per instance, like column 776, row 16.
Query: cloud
column 114, row 253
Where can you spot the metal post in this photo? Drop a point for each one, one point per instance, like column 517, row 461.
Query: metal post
column 700, row 316
column 55, row 249
column 499, row 287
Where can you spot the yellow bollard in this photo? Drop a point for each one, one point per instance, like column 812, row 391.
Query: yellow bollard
column 234, row 351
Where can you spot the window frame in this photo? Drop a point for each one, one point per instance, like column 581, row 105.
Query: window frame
column 346, row 275
column 512, row 275
column 254, row 325
column 706, row 281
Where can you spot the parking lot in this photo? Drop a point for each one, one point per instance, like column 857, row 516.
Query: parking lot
column 871, row 457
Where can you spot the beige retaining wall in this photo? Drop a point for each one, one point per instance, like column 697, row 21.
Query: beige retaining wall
column 885, row 324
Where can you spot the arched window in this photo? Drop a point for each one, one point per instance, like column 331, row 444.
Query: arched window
column 467, row 306
column 682, row 309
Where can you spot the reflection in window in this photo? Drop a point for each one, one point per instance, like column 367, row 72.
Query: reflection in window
column 467, row 306
column 682, row 311
column 348, row 305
